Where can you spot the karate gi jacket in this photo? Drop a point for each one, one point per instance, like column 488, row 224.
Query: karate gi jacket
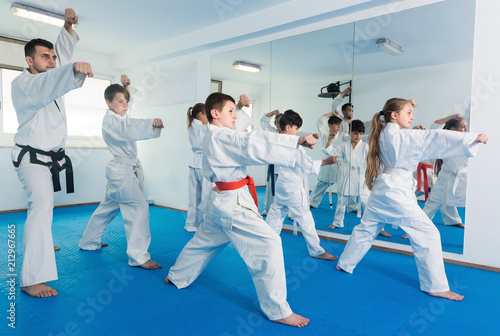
column 352, row 161
column 292, row 188
column 42, row 122
column 227, row 153
column 392, row 199
column 120, row 134
column 196, row 133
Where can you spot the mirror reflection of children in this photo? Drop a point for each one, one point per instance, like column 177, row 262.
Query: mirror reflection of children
column 232, row 214
column 395, row 151
column 292, row 192
column 125, row 179
column 198, row 185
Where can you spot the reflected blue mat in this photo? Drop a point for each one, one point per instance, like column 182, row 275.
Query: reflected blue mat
column 452, row 237
column 100, row 294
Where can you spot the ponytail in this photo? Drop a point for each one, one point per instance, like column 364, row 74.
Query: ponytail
column 193, row 111
column 374, row 162
column 373, row 158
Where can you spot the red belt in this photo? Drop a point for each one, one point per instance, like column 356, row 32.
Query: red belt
column 422, row 169
column 238, row 184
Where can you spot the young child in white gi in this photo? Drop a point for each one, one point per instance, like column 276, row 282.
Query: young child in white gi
column 37, row 96
column 198, row 185
column 231, row 213
column 292, row 192
column 272, row 172
column 392, row 199
column 125, row 178
column 351, row 156
column 329, row 126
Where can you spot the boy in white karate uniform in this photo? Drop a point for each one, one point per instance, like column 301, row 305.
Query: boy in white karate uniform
column 292, row 192
column 125, row 179
column 231, row 213
column 38, row 98
column 351, row 156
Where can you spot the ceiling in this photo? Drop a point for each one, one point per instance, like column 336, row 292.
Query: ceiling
column 111, row 27
column 430, row 35
column 434, row 34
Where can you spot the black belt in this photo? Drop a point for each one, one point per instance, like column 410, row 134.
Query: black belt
column 53, row 165
column 270, row 175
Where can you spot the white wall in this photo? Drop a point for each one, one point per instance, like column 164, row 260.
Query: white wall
column 482, row 235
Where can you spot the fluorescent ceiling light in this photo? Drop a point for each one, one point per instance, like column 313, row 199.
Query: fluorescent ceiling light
column 389, row 46
column 37, row 14
column 244, row 66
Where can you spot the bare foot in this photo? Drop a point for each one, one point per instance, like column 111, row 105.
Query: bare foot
column 294, row 320
column 326, row 256
column 405, row 236
column 150, row 265
column 448, row 295
column 384, row 234
column 460, row 225
column 339, row 269
column 167, row 281
column 39, row 290
column 56, row 248
column 104, row 244
column 332, row 227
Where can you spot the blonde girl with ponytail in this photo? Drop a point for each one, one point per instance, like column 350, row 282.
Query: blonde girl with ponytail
column 394, row 153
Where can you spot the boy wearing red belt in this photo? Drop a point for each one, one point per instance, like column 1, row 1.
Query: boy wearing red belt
column 231, row 211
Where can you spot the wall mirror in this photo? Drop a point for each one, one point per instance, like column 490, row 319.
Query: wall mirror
column 434, row 68
column 423, row 53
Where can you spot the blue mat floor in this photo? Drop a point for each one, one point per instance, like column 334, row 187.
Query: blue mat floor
column 99, row 294
column 452, row 237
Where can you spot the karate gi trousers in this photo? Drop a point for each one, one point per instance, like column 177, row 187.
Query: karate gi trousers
column 258, row 245
column 39, row 261
column 425, row 242
column 304, row 218
column 135, row 213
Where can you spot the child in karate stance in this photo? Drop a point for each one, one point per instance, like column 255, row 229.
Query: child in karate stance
column 231, row 213
column 292, row 192
column 392, row 200
column 351, row 156
column 329, row 126
column 198, row 185
column 125, row 179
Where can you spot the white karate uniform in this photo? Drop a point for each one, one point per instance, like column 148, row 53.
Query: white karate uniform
column 392, row 199
column 292, row 195
column 39, row 104
column 351, row 179
column 448, row 191
column 124, row 187
column 232, row 216
column 327, row 174
column 269, row 197
column 198, row 185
